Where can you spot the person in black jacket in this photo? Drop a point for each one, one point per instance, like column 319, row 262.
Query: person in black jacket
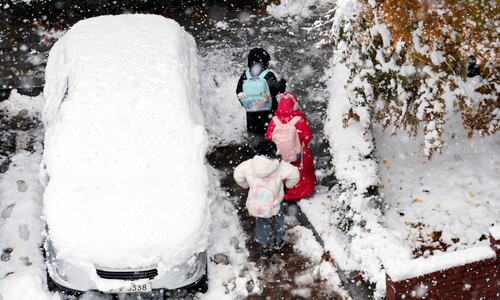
column 257, row 121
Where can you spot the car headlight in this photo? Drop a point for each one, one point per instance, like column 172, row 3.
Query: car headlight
column 193, row 268
column 59, row 271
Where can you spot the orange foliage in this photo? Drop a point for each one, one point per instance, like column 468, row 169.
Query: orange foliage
column 458, row 29
column 469, row 25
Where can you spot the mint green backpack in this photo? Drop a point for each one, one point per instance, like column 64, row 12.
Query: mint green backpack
column 257, row 93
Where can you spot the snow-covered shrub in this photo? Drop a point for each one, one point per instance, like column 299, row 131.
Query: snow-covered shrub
column 411, row 62
column 406, row 66
column 349, row 122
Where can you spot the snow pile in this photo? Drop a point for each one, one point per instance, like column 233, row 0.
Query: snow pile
column 351, row 141
column 17, row 103
column 303, row 292
column 22, row 272
column 224, row 116
column 231, row 274
column 125, row 142
column 319, row 212
column 324, row 269
column 350, row 146
column 495, row 232
column 292, row 8
column 365, row 249
column 305, row 244
column 355, row 167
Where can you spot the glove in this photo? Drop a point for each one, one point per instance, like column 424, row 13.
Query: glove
column 241, row 96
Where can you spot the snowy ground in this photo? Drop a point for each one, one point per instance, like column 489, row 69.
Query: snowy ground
column 452, row 199
column 22, row 267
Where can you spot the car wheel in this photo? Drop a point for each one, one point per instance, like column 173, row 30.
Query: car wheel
column 54, row 287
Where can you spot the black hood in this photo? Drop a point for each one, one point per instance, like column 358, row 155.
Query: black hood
column 258, row 55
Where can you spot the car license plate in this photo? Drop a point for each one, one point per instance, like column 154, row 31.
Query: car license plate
column 133, row 288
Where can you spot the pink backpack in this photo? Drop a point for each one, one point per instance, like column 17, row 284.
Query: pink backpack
column 286, row 138
column 263, row 200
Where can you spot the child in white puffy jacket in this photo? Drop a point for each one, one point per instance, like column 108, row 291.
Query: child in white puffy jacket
column 263, row 164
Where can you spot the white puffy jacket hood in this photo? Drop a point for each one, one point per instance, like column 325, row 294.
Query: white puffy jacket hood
column 263, row 166
column 260, row 166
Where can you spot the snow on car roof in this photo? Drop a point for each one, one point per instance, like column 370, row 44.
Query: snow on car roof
column 125, row 148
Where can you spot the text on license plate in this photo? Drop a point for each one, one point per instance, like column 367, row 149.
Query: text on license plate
column 133, row 288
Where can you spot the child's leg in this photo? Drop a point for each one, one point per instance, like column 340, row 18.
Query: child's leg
column 255, row 138
column 262, row 228
column 257, row 121
column 279, row 224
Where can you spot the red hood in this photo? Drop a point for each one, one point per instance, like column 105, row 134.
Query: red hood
column 285, row 109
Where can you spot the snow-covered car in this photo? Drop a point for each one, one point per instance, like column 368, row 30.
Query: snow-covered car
column 125, row 199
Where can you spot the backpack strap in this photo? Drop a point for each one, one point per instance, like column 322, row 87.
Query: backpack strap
column 277, row 172
column 294, row 120
column 263, row 74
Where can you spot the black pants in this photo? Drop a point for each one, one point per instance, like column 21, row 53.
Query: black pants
column 257, row 122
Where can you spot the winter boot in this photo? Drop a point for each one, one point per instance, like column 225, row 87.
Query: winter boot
column 278, row 244
column 265, row 252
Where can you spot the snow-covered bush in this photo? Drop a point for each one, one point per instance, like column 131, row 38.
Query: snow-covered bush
column 412, row 62
column 349, row 123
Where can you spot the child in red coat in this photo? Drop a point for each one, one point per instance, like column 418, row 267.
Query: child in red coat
column 287, row 109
